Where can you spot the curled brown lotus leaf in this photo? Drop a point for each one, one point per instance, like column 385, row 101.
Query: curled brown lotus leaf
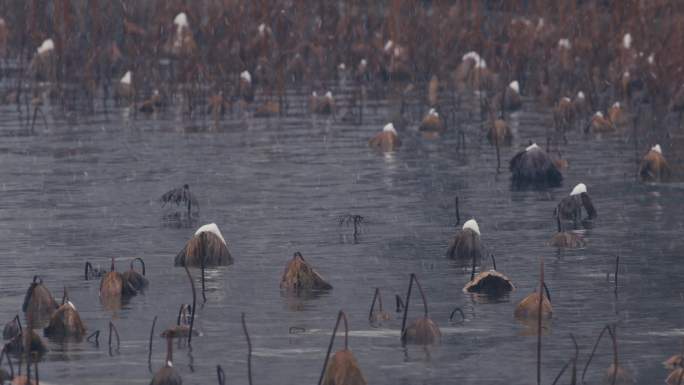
column 299, row 275
column 343, row 370
column 65, row 322
column 528, row 308
column 215, row 251
column 490, row 281
column 423, row 331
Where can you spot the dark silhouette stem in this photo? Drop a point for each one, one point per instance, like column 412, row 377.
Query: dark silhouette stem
column 375, row 298
column 194, row 300
column 149, row 353
column 116, row 332
column 458, row 213
column 142, row 263
column 617, row 266
column 591, row 356
column 453, row 313
column 341, row 315
column 539, row 320
column 399, row 302
column 88, row 267
column 249, row 349
column 221, row 375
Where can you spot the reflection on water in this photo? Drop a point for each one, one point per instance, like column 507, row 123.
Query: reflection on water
column 87, row 188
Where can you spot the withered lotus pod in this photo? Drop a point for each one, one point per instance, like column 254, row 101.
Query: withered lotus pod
column 342, row 368
column 422, row 331
column 207, row 246
column 298, row 275
column 39, row 304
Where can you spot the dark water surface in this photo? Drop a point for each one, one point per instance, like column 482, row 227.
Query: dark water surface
column 86, row 187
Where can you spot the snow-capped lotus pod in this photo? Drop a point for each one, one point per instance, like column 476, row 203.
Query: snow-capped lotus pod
column 570, row 207
column 432, row 122
column 466, row 245
column 387, row 140
column 209, row 243
column 66, row 322
column 533, row 166
column 654, row 167
column 298, row 275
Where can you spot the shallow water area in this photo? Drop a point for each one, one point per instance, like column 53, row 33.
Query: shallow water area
column 85, row 186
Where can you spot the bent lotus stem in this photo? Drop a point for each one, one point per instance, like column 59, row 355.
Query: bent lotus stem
column 617, row 267
column 591, row 356
column 221, row 375
column 613, row 337
column 547, row 292
column 560, row 374
column 65, row 296
column 458, row 214
column 88, row 268
column 169, row 351
column 182, row 313
column 194, row 300
column 453, row 313
column 340, row 316
column 493, row 261
column 3, row 353
column 116, row 332
column 400, row 303
column 95, row 334
column 249, row 349
column 142, row 263
column 149, row 350
column 18, row 320
column 573, row 380
column 35, row 369
column 539, row 319
column 472, row 270
column 376, row 298
column 406, row 307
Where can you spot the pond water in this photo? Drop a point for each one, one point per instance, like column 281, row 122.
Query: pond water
column 85, row 186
